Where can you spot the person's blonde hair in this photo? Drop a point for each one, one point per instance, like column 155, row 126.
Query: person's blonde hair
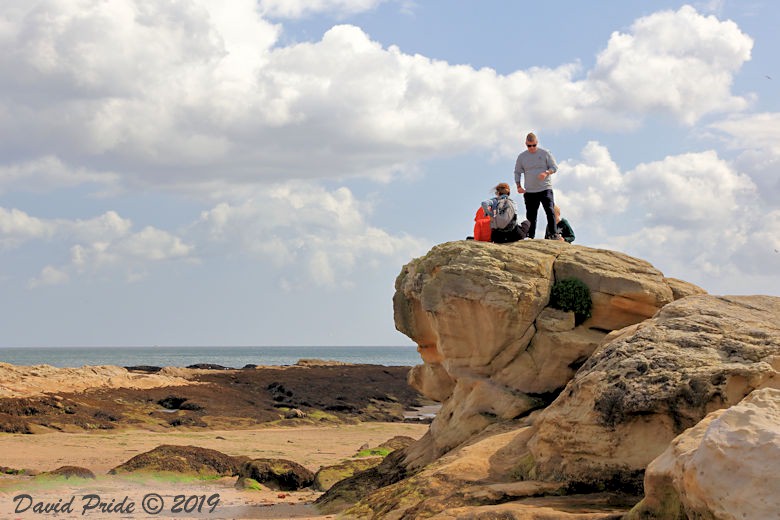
column 502, row 189
column 530, row 138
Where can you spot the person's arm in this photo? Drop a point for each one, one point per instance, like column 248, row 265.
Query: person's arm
column 519, row 170
column 566, row 231
column 552, row 166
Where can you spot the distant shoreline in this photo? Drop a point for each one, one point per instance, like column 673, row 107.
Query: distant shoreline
column 233, row 357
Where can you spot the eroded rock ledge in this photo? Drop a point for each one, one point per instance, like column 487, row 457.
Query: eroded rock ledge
column 492, row 349
column 534, row 406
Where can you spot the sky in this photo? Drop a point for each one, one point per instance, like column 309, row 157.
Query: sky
column 257, row 172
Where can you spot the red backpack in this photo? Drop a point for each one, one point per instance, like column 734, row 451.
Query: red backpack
column 481, row 226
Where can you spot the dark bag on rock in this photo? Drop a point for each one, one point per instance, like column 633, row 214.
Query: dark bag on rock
column 513, row 234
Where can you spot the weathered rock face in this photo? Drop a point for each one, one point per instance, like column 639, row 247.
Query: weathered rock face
column 282, row 474
column 534, row 407
column 182, row 459
column 68, row 472
column 647, row 385
column 724, row 467
column 492, row 350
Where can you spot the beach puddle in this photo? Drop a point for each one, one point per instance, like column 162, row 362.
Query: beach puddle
column 421, row 413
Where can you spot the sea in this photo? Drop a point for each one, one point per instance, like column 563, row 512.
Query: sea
column 231, row 357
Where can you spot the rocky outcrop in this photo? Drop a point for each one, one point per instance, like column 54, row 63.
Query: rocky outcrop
column 281, row 474
column 534, row 405
column 346, row 492
column 492, row 349
column 190, row 460
column 68, row 472
column 366, row 459
column 724, row 467
column 653, row 381
column 22, row 381
column 326, row 477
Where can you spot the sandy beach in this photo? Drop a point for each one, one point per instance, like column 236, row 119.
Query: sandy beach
column 312, row 447
column 315, row 414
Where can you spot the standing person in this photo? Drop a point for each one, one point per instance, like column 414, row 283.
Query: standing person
column 538, row 165
column 562, row 226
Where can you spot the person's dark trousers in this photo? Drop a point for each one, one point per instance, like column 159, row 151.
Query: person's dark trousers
column 532, row 201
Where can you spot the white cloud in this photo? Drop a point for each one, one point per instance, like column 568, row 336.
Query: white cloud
column 298, row 226
column 153, row 244
column 692, row 189
column 694, row 213
column 127, row 250
column 592, row 186
column 47, row 173
column 683, row 190
column 757, row 136
column 680, row 62
column 760, row 254
column 17, row 227
column 49, row 276
column 194, row 95
column 94, row 244
column 752, row 132
column 293, row 226
column 301, row 8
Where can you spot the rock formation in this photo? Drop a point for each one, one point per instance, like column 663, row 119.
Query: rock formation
column 282, row 474
column 534, row 404
column 68, row 472
column 21, row 381
column 724, row 467
column 652, row 381
column 492, row 349
column 192, row 460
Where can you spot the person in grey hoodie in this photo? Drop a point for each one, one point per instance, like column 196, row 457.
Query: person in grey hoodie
column 538, row 165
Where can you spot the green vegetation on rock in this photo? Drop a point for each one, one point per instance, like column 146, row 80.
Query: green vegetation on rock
column 571, row 294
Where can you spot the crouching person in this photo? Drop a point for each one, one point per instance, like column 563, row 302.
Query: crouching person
column 502, row 211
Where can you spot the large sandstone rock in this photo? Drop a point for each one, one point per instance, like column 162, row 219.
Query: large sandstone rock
column 642, row 389
column 724, row 467
column 491, row 348
column 533, row 406
column 625, row 290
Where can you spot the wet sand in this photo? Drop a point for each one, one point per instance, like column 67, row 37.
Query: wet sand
column 311, row 446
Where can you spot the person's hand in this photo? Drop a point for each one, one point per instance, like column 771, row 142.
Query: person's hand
column 520, row 189
column 542, row 176
column 561, row 239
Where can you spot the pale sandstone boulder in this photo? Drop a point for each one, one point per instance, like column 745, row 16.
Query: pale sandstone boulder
column 625, row 290
column 642, row 389
column 470, row 299
column 491, row 348
column 681, row 288
column 643, row 381
column 550, row 360
column 479, row 480
column 431, row 380
column 725, row 467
